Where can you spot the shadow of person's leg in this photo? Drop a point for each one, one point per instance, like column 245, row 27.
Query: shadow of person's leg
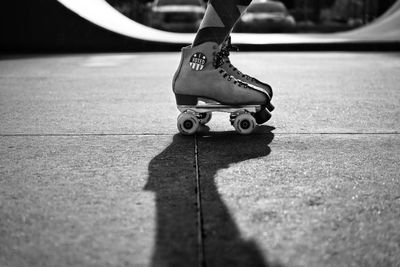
column 224, row 245
column 172, row 177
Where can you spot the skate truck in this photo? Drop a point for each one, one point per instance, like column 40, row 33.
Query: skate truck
column 243, row 118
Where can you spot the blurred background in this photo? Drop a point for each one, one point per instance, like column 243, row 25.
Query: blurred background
column 48, row 26
column 263, row 16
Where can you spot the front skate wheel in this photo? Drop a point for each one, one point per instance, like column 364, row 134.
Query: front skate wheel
column 188, row 123
column 205, row 117
column 244, row 123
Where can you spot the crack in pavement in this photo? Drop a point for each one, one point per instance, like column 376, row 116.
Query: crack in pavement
column 168, row 134
column 199, row 211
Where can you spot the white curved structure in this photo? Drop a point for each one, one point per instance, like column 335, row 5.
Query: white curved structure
column 386, row 27
column 99, row 12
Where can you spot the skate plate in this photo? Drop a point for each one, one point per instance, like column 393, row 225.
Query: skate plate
column 219, row 108
column 242, row 118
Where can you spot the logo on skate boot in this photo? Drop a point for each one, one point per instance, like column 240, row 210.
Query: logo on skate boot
column 198, row 61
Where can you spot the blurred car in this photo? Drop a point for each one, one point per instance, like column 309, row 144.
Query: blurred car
column 176, row 15
column 266, row 16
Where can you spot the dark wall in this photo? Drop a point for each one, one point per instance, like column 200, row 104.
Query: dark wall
column 47, row 26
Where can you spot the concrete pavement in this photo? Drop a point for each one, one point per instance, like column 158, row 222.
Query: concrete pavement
column 93, row 172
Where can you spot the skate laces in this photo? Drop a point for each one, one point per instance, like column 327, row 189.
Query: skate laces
column 225, row 52
column 218, row 60
column 222, row 56
column 228, row 47
column 239, row 83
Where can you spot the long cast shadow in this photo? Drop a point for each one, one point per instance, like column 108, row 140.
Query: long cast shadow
column 172, row 178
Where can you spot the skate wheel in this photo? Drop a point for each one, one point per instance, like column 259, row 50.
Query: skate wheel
column 205, row 117
column 244, row 124
column 262, row 116
column 187, row 123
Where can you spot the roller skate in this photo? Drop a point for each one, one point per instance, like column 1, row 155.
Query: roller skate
column 226, row 48
column 201, row 87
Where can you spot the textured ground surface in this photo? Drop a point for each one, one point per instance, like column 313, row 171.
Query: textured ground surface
column 93, row 172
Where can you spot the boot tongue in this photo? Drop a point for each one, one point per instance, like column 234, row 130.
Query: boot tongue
column 218, row 60
column 228, row 47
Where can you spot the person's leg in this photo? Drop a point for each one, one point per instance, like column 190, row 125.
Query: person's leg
column 218, row 22
column 199, row 74
column 219, row 19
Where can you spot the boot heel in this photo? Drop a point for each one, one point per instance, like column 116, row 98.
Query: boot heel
column 186, row 99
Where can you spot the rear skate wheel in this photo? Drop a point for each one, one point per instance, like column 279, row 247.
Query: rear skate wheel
column 262, row 116
column 205, row 117
column 244, row 124
column 187, row 123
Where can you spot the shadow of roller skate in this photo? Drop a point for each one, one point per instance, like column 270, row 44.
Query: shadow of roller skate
column 172, row 178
